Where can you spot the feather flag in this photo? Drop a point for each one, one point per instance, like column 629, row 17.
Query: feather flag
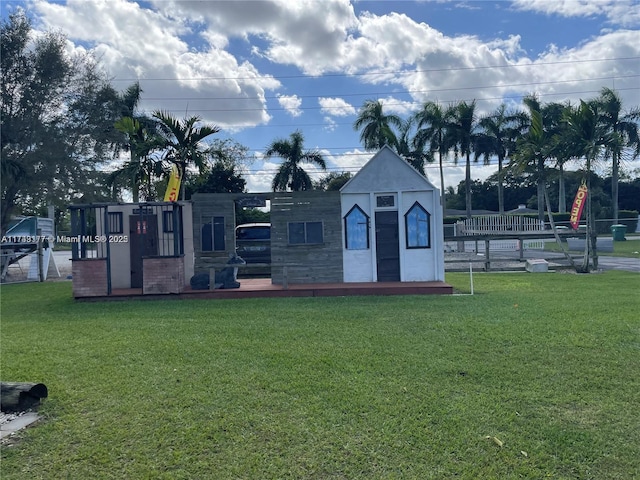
column 173, row 187
column 578, row 205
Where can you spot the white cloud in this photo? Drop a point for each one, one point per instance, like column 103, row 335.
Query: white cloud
column 337, row 107
column 618, row 12
column 291, row 103
column 137, row 43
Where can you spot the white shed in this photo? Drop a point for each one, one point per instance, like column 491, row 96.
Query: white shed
column 392, row 223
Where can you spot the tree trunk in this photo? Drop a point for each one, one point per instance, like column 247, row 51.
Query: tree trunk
column 562, row 201
column 467, row 185
column 587, row 239
column 540, row 190
column 443, row 199
column 500, row 187
column 552, row 222
column 615, row 173
column 17, row 397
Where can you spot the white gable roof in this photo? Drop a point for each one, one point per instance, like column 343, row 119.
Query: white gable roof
column 386, row 171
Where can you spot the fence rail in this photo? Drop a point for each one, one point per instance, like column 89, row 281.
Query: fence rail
column 496, row 224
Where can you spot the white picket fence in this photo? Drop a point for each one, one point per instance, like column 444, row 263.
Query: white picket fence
column 497, row 224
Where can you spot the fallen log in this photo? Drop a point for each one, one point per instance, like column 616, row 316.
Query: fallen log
column 18, row 397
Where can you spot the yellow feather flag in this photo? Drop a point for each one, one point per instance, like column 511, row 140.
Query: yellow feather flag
column 173, row 187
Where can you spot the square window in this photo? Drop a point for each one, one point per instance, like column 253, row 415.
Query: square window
column 301, row 233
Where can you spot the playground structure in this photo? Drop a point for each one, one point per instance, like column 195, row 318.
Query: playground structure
column 33, row 237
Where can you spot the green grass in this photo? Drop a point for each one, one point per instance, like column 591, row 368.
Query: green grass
column 333, row 388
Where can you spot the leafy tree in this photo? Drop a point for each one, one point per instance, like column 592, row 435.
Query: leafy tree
column 376, row 127
column 57, row 120
column 291, row 175
column 220, row 178
column 332, row 181
column 183, row 140
column 434, row 134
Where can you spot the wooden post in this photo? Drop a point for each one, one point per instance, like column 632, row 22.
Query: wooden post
column 40, row 255
column 521, row 248
column 487, row 261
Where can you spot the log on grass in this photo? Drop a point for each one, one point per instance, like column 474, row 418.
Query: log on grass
column 17, row 397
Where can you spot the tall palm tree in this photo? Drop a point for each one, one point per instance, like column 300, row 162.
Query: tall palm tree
column 141, row 167
column 291, row 175
column 551, row 121
column 533, row 149
column 183, row 141
column 622, row 129
column 498, row 135
column 433, row 133
column 463, row 128
column 376, row 126
column 587, row 134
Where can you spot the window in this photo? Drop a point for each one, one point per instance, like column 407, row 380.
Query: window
column 167, row 221
column 385, row 201
column 417, row 223
column 356, row 229
column 115, row 222
column 301, row 233
column 213, row 235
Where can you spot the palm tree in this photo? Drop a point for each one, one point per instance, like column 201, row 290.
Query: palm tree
column 141, row 167
column 410, row 149
column 622, row 129
column 533, row 149
column 433, row 124
column 498, row 136
column 291, row 176
column 376, row 127
column 463, row 128
column 563, row 151
column 551, row 121
column 183, row 141
column 587, row 134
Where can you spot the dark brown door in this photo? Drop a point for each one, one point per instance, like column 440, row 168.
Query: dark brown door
column 387, row 247
column 143, row 242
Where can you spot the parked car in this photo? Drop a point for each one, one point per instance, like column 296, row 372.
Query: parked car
column 253, row 242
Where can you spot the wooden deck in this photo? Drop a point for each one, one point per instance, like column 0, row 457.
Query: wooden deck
column 263, row 288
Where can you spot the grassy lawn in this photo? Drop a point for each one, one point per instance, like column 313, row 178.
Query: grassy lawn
column 333, row 388
column 627, row 248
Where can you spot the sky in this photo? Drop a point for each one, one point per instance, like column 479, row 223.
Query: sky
column 260, row 70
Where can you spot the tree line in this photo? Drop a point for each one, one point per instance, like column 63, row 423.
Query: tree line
column 536, row 141
column 64, row 126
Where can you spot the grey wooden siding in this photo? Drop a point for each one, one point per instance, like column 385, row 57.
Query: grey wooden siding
column 206, row 206
column 306, row 263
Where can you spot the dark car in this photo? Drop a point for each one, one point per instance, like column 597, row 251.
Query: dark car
column 253, row 242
